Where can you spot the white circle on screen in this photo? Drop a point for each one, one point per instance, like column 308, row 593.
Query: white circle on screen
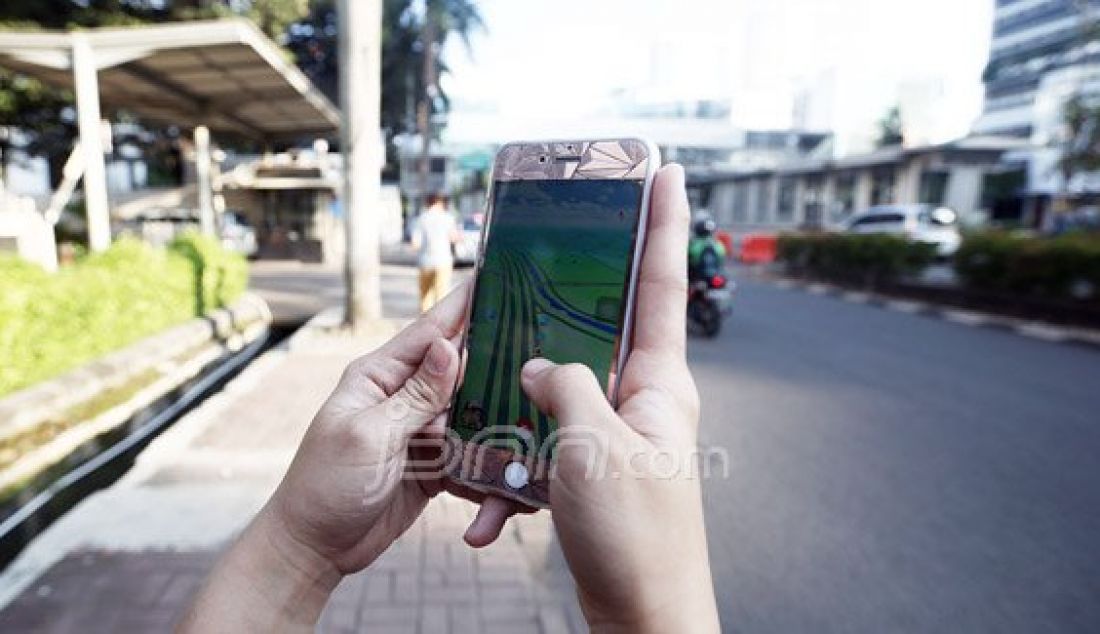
column 515, row 475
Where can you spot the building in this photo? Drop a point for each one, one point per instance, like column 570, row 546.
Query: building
column 1043, row 53
column 1031, row 40
column 815, row 192
column 694, row 133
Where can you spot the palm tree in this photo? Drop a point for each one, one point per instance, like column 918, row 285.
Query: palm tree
column 404, row 23
column 438, row 21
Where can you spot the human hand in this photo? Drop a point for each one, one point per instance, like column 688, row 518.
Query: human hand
column 633, row 534
column 346, row 497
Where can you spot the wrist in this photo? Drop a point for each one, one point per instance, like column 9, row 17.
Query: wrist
column 267, row 581
column 290, row 577
column 690, row 609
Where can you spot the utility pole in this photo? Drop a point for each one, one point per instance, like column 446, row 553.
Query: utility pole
column 424, row 107
column 360, row 101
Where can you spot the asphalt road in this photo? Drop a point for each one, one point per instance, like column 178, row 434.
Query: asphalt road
column 295, row 291
column 897, row 473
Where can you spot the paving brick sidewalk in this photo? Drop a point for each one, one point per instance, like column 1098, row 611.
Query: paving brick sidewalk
column 130, row 557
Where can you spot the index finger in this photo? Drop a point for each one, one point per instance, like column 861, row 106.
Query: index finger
column 392, row 363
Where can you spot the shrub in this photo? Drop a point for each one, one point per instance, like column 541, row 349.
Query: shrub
column 220, row 275
column 53, row 323
column 849, row 258
column 1066, row 267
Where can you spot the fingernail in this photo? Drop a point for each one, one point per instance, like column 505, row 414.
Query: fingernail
column 437, row 359
column 534, row 367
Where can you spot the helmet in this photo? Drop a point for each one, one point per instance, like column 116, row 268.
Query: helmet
column 703, row 225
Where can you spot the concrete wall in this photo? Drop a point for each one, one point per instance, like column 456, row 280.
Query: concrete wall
column 25, row 232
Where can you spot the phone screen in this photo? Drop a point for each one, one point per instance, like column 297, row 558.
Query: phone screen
column 553, row 284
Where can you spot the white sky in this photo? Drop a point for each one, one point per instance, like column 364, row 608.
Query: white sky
column 557, row 59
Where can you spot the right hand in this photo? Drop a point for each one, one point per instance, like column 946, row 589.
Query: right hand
column 633, row 535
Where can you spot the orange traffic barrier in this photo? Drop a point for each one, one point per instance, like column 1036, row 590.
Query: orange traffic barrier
column 727, row 241
column 758, row 248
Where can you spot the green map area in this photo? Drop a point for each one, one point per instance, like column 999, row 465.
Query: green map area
column 552, row 285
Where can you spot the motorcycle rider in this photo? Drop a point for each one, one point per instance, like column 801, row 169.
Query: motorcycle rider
column 706, row 254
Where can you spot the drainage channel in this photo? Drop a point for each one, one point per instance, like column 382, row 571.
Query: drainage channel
column 98, row 463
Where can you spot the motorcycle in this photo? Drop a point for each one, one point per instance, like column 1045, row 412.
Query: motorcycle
column 709, row 302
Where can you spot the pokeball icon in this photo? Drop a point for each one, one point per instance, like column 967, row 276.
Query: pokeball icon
column 515, row 475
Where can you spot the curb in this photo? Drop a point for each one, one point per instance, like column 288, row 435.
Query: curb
column 175, row 355
column 1043, row 331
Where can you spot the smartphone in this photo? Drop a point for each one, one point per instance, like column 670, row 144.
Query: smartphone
column 556, row 274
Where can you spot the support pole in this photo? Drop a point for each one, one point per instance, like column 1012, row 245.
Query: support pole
column 424, row 107
column 85, row 84
column 204, row 183
column 360, row 23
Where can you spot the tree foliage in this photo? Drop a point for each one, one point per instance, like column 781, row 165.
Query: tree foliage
column 314, row 42
column 43, row 114
column 1081, row 149
column 273, row 16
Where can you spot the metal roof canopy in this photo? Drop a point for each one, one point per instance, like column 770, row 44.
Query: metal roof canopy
column 224, row 74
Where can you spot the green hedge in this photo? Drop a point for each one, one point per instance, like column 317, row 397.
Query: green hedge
column 849, row 258
column 50, row 323
column 1065, row 268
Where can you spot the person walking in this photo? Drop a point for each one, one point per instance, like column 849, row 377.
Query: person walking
column 433, row 234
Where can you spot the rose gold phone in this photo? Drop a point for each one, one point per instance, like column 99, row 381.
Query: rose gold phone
column 556, row 276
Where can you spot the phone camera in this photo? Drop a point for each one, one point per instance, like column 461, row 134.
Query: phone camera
column 569, row 147
column 542, row 159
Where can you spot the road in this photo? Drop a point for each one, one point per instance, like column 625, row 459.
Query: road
column 893, row 472
column 296, row 291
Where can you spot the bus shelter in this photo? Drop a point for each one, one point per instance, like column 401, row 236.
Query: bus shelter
column 210, row 77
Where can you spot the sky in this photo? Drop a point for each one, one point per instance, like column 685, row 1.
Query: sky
column 838, row 63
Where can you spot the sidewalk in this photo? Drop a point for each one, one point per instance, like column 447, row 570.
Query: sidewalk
column 130, row 557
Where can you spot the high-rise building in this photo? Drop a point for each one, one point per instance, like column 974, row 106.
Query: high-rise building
column 1036, row 45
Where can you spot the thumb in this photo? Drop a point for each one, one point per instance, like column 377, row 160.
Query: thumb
column 428, row 391
column 569, row 393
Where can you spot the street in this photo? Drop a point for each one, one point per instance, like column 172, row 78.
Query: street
column 895, row 472
column 295, row 292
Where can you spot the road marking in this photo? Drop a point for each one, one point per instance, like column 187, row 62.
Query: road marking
column 818, row 289
column 964, row 317
column 856, row 297
column 904, row 306
column 785, row 284
column 1043, row 332
column 1087, row 336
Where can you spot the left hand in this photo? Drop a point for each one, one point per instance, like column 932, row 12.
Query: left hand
column 346, row 495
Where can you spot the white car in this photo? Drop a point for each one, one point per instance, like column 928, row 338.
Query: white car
column 465, row 249
column 938, row 226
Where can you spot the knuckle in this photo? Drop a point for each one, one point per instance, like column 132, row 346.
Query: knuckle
column 571, row 376
column 359, row 367
column 422, row 394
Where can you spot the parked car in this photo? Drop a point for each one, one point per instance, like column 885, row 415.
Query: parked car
column 466, row 248
column 923, row 223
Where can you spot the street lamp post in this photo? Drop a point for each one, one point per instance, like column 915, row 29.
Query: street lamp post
column 360, row 101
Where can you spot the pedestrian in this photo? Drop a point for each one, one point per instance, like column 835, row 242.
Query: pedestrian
column 636, row 545
column 433, row 234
